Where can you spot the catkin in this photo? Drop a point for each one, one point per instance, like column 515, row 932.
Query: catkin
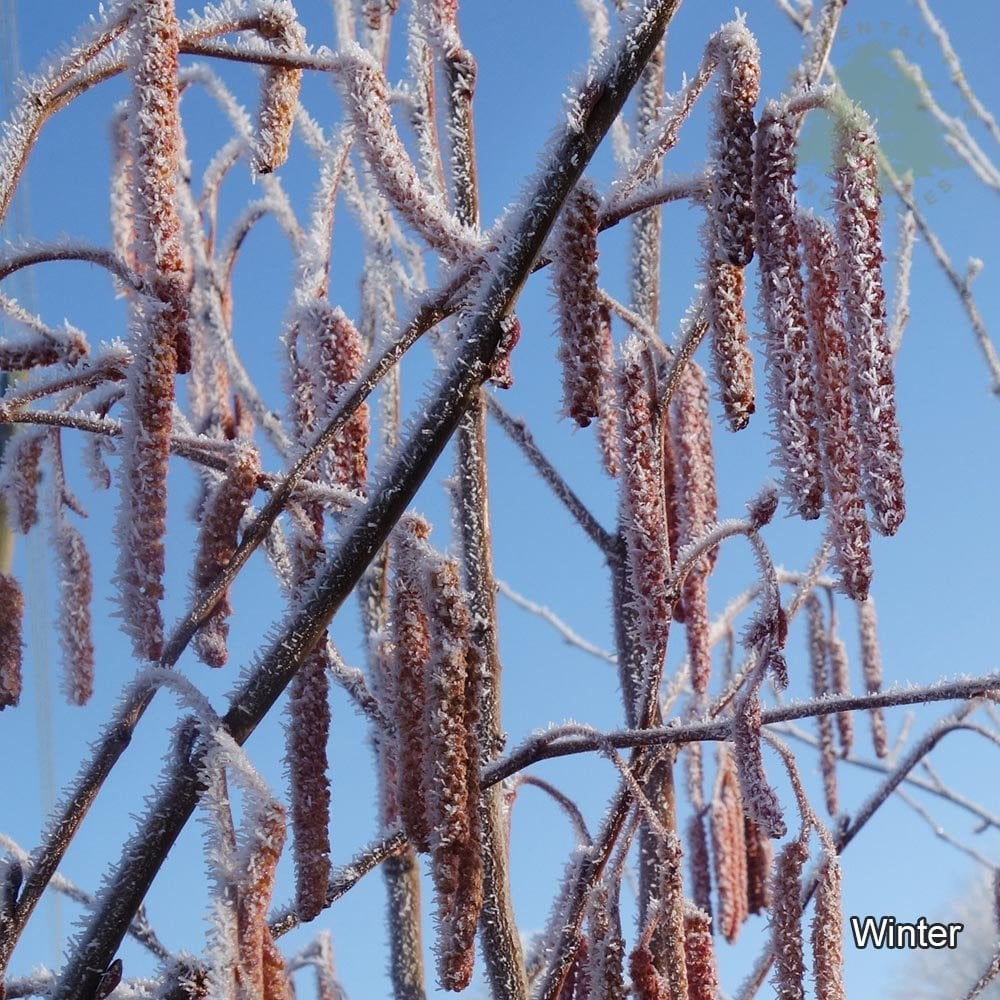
column 871, row 664
column 280, row 90
column 160, row 342
column 838, row 437
column 732, row 362
column 21, row 468
column 759, row 853
column 410, row 655
column 645, row 979
column 75, row 592
column 731, row 199
column 11, row 643
column 698, row 862
column 453, row 782
column 220, row 522
column 699, row 953
column 828, row 932
column 729, row 848
column 786, row 922
column 643, row 514
column 819, row 674
column 790, row 380
column 857, row 202
column 267, row 838
column 605, row 945
column 840, row 683
column 696, row 507
column 574, row 281
column 759, row 800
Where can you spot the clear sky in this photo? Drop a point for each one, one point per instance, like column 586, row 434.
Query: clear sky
column 935, row 583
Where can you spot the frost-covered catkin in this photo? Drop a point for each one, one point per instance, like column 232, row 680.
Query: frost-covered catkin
column 11, row 643
column 698, row 862
column 871, row 665
column 838, row 437
column 645, row 979
column 857, row 203
column 696, row 505
column 574, row 282
column 699, row 953
column 729, row 848
column 220, row 522
column 828, row 932
column 280, row 90
column 818, row 670
column 731, row 198
column 605, row 945
column 643, row 514
column 453, row 786
column 732, row 362
column 607, row 421
column 75, row 591
column 759, row 800
column 340, row 358
column 123, row 233
column 759, row 854
column 840, row 683
column 790, row 380
column 410, row 653
column 786, row 922
column 160, row 338
column 266, row 840
column 21, row 467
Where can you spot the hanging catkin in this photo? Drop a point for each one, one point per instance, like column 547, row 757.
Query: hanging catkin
column 828, row 932
column 11, row 643
column 217, row 538
column 453, row 781
column 838, row 438
column 729, row 848
column 280, row 90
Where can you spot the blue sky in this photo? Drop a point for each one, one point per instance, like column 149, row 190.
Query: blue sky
column 935, row 583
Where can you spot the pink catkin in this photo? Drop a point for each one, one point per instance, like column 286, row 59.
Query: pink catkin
column 643, row 514
column 840, row 683
column 410, row 655
column 857, row 207
column 732, row 362
column 160, row 340
column 645, row 979
column 759, row 800
column 607, row 422
column 698, row 862
column 11, row 643
column 217, row 540
column 729, row 848
column 790, row 379
column 75, row 591
column 22, row 461
column 731, row 199
column 123, row 234
column 786, row 922
column 699, row 953
column 453, row 786
column 340, row 358
column 759, row 853
column 828, row 933
column 838, row 438
column 267, row 838
column 606, row 947
column 279, row 92
column 306, row 758
column 574, row 281
column 871, row 664
column 697, row 507
column 820, row 681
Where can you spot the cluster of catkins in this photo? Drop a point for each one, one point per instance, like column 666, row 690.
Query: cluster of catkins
column 822, row 304
column 431, row 685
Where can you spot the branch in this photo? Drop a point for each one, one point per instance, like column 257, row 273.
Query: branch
column 556, row 744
